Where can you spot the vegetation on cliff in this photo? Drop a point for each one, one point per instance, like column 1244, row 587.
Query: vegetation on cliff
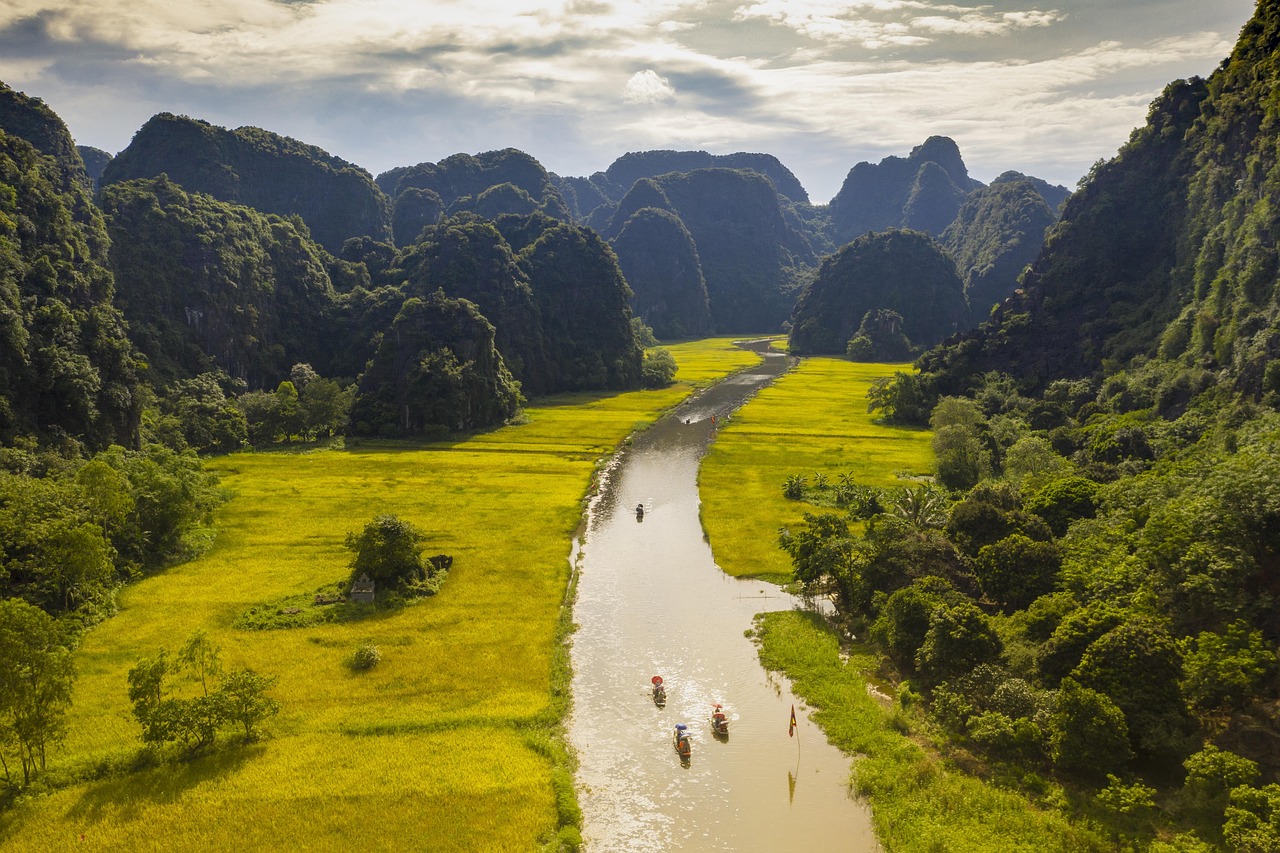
column 259, row 169
column 905, row 272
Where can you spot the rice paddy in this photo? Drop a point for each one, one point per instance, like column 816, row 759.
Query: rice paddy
column 452, row 742
column 812, row 420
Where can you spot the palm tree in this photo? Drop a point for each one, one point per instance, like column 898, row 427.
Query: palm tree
column 923, row 507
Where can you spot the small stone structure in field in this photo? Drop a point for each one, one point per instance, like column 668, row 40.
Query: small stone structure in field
column 362, row 590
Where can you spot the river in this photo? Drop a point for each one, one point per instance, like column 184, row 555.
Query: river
column 651, row 601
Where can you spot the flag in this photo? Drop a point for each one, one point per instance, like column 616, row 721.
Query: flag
column 791, row 731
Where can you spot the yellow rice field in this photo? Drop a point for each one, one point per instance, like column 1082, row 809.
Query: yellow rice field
column 813, row 419
column 450, row 743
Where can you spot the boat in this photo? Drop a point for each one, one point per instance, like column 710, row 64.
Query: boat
column 639, row 512
column 659, row 692
column 719, row 721
column 682, row 743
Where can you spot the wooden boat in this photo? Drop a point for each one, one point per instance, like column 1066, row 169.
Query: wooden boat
column 682, row 743
column 659, row 692
column 719, row 721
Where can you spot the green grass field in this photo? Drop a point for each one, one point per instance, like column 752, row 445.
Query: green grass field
column 452, row 741
column 813, row 419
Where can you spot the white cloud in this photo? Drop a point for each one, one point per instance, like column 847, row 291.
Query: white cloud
column 646, row 87
column 875, row 24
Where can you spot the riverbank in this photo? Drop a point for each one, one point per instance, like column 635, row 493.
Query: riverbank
column 813, row 421
column 454, row 737
column 919, row 802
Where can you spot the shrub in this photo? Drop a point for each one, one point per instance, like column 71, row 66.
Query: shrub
column 366, row 657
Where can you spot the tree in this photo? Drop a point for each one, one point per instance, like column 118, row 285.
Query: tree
column 242, row 699
column 1138, row 666
column 658, row 369
column 904, row 620
column 1063, row 501
column 821, row 548
column 389, row 551
column 1213, row 773
column 960, row 637
column 1088, row 733
column 36, row 674
column 1017, row 570
column 1226, row 670
column 906, row 398
column 1252, row 820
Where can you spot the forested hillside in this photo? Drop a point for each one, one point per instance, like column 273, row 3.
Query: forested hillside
column 1088, row 593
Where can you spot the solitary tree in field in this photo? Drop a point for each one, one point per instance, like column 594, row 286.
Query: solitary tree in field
column 389, row 551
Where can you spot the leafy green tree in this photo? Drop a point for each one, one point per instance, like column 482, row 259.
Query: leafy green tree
column 1017, row 570
column 1138, row 666
column 291, row 419
column 1063, row 501
column 1225, row 671
column 923, row 507
column 658, row 369
column 904, row 620
column 36, row 675
column 962, row 458
column 1077, row 630
column 326, row 406
column 242, row 699
column 1088, row 733
column 389, row 551
column 1252, row 820
column 960, row 637
column 904, row 398
column 820, row 548
column 1213, row 773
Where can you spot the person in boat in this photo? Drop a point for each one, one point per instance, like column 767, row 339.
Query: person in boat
column 682, row 739
column 718, row 718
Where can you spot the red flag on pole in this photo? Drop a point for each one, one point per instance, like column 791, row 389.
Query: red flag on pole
column 791, row 730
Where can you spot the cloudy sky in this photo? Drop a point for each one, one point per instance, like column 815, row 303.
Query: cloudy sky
column 1045, row 87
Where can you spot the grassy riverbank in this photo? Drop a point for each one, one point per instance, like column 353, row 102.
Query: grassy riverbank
column 811, row 421
column 453, row 741
column 814, row 419
column 919, row 803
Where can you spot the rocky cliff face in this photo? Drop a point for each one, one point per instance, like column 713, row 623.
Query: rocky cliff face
column 209, row 285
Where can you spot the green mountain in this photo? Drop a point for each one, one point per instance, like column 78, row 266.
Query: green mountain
column 66, row 366
column 660, row 261
column 583, row 302
column 31, row 119
column 750, row 257
column 997, row 233
column 922, row 191
column 208, row 285
column 435, row 370
column 905, row 272
column 490, row 184
column 95, row 161
column 259, row 169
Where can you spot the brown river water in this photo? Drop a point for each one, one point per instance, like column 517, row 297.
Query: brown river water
column 652, row 601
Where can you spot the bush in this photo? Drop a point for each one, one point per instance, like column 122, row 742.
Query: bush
column 366, row 657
